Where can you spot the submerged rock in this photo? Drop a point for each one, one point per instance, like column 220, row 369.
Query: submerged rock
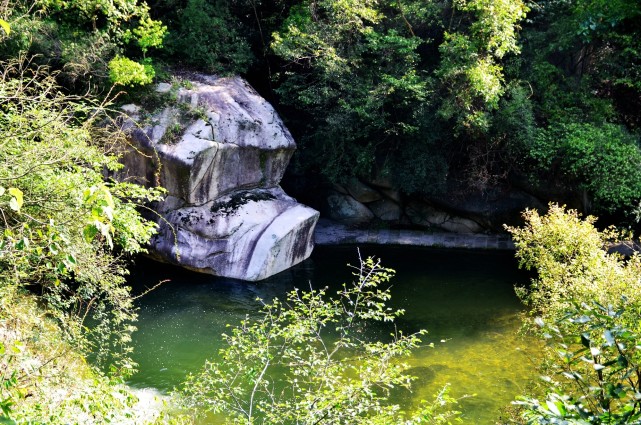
column 220, row 150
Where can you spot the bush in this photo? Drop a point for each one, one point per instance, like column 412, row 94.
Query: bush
column 596, row 377
column 307, row 360
column 124, row 71
column 43, row 379
column 588, row 304
column 65, row 233
column 79, row 38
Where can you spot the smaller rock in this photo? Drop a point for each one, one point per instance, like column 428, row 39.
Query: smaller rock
column 392, row 194
column 427, row 216
column 163, row 88
column 130, row 109
column 345, row 209
column 361, row 192
column 386, row 210
column 382, row 181
column 625, row 248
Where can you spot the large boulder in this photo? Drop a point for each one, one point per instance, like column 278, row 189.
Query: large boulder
column 247, row 235
column 220, row 150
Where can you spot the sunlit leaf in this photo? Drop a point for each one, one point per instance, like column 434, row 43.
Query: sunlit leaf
column 609, row 337
column 556, row 407
column 5, row 26
column 17, row 200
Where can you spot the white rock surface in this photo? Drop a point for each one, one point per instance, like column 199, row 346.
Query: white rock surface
column 225, row 213
column 247, row 235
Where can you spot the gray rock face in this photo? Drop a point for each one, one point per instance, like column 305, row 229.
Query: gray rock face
column 424, row 215
column 458, row 211
column 347, row 210
column 361, row 192
column 220, row 150
column 386, row 210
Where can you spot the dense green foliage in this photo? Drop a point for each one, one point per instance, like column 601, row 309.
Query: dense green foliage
column 387, row 83
column 206, row 36
column 587, row 303
column 309, row 360
column 604, row 160
column 472, row 94
column 43, row 378
column 65, row 235
column 429, row 93
column 81, row 37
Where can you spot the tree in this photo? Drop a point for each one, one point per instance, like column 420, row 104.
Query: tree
column 603, row 161
column 352, row 66
column 308, row 360
column 470, row 70
column 208, row 37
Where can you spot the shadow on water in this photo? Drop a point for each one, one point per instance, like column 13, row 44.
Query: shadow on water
column 465, row 299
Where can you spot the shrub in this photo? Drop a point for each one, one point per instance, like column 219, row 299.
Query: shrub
column 307, row 360
column 65, row 231
column 588, row 304
column 126, row 72
column 604, row 160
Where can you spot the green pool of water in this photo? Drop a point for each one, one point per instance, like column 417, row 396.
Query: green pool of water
column 464, row 299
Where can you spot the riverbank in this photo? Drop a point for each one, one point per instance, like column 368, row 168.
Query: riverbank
column 329, row 232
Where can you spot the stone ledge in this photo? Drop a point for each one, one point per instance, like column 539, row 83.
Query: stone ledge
column 329, row 232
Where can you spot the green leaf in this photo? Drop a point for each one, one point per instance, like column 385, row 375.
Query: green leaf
column 22, row 244
column 89, row 232
column 608, row 337
column 622, row 361
column 61, row 267
column 7, row 421
column 585, row 340
column 17, row 347
column 556, row 408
